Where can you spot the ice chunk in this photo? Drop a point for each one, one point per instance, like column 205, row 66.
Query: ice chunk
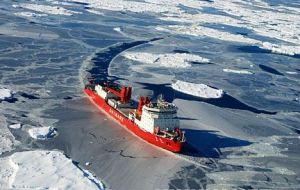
column 200, row 90
column 118, row 29
column 5, row 93
column 42, row 133
column 281, row 49
column 29, row 14
column 237, row 71
column 291, row 72
column 44, row 170
column 15, row 126
column 7, row 140
column 174, row 60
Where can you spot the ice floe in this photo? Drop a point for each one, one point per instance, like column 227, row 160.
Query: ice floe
column 257, row 17
column 291, row 72
column 276, row 22
column 29, row 14
column 7, row 140
column 132, row 6
column 42, row 133
column 118, row 29
column 237, row 71
column 15, row 126
column 54, row 10
column 173, row 60
column 200, row 90
column 44, row 170
column 5, row 93
column 281, row 49
column 198, row 30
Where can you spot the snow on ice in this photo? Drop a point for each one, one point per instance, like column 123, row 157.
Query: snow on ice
column 200, row 90
column 174, row 60
column 279, row 23
column 15, row 126
column 29, row 14
column 44, row 170
column 281, row 49
column 133, row 6
column 5, row 93
column 7, row 140
column 291, row 72
column 237, row 71
column 42, row 133
column 47, row 9
column 118, row 29
column 198, row 30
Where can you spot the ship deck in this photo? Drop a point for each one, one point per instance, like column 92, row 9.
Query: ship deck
column 125, row 111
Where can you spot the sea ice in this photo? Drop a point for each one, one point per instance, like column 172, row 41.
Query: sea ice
column 198, row 30
column 133, row 6
column 118, row 29
column 42, row 133
column 174, row 60
column 44, row 170
column 281, row 49
column 5, row 93
column 291, row 72
column 15, row 30
column 200, row 90
column 237, row 71
column 55, row 10
column 29, row 14
column 7, row 140
column 15, row 126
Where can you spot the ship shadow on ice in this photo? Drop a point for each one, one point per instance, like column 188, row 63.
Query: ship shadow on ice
column 226, row 101
column 204, row 143
column 186, row 118
column 256, row 49
column 269, row 70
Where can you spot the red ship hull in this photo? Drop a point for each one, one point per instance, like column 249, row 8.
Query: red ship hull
column 161, row 142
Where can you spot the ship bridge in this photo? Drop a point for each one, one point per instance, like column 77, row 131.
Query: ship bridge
column 160, row 114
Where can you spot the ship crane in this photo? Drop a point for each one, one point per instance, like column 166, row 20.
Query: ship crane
column 124, row 93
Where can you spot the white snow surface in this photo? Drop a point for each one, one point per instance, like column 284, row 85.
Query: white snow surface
column 7, row 140
column 133, row 6
column 44, row 170
column 5, row 93
column 292, row 72
column 198, row 30
column 29, row 14
column 118, row 29
column 200, row 90
column 172, row 60
column 15, row 126
column 42, row 133
column 281, row 49
column 237, row 71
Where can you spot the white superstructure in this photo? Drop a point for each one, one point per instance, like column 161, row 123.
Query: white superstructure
column 161, row 114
